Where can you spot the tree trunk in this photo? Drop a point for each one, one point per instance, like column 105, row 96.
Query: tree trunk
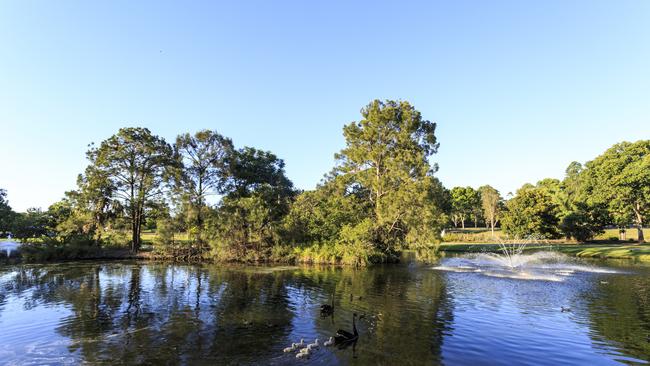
column 463, row 222
column 622, row 234
column 135, row 235
column 641, row 236
column 136, row 227
column 639, row 223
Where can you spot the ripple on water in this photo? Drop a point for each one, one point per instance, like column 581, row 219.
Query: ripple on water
column 458, row 314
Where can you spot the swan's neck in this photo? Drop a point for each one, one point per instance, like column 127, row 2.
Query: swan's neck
column 354, row 326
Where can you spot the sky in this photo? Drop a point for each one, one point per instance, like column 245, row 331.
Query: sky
column 518, row 89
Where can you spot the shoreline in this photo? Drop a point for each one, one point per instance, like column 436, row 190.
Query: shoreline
column 633, row 252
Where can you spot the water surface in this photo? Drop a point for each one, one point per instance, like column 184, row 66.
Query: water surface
column 156, row 313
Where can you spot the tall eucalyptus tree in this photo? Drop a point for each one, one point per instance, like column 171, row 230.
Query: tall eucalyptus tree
column 204, row 157
column 132, row 167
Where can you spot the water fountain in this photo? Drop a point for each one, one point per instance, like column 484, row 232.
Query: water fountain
column 515, row 260
column 8, row 246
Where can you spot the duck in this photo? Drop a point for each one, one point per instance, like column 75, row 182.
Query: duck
column 343, row 336
column 293, row 347
column 327, row 309
column 313, row 345
column 305, row 352
column 565, row 310
column 329, row 342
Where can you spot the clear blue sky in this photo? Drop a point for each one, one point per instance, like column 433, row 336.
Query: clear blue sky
column 519, row 89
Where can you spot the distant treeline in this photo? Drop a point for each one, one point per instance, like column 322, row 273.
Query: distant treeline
column 611, row 190
column 379, row 199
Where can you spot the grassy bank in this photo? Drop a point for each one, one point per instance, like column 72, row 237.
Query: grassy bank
column 485, row 236
column 639, row 253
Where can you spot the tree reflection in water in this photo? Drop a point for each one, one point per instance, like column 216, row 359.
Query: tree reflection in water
column 193, row 314
column 619, row 314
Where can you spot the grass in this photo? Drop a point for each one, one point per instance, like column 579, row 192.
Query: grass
column 639, row 253
column 631, row 234
column 487, row 247
column 149, row 236
column 484, row 236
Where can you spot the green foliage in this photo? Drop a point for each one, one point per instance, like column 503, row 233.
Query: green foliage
column 531, row 212
column 247, row 222
column 244, row 229
column 381, row 198
column 129, row 168
column 620, row 178
column 33, row 223
column 492, row 205
column 318, row 216
column 169, row 244
column 50, row 249
column 584, row 222
column 358, row 244
column 204, row 157
column 355, row 246
column 465, row 201
column 7, row 215
column 386, row 154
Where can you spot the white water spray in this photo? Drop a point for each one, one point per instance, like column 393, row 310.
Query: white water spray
column 513, row 262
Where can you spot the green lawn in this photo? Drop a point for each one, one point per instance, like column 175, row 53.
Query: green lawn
column 482, row 235
column 620, row 251
column 631, row 234
column 149, row 236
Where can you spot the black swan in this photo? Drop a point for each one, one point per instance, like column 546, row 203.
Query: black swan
column 343, row 336
column 327, row 310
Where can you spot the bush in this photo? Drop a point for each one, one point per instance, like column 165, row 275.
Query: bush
column 51, row 249
column 353, row 247
column 116, row 239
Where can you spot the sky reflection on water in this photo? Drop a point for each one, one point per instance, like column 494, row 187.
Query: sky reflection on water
column 209, row 314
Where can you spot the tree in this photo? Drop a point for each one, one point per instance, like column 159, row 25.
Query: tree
column 72, row 221
column 32, row 223
column 491, row 202
column 477, row 207
column 579, row 219
column 531, row 212
column 318, row 216
column 620, row 178
column 387, row 154
column 7, row 215
column 464, row 201
column 584, row 221
column 131, row 167
column 554, row 188
column 247, row 221
column 204, row 157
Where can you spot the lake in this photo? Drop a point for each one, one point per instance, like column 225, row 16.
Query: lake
column 453, row 312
